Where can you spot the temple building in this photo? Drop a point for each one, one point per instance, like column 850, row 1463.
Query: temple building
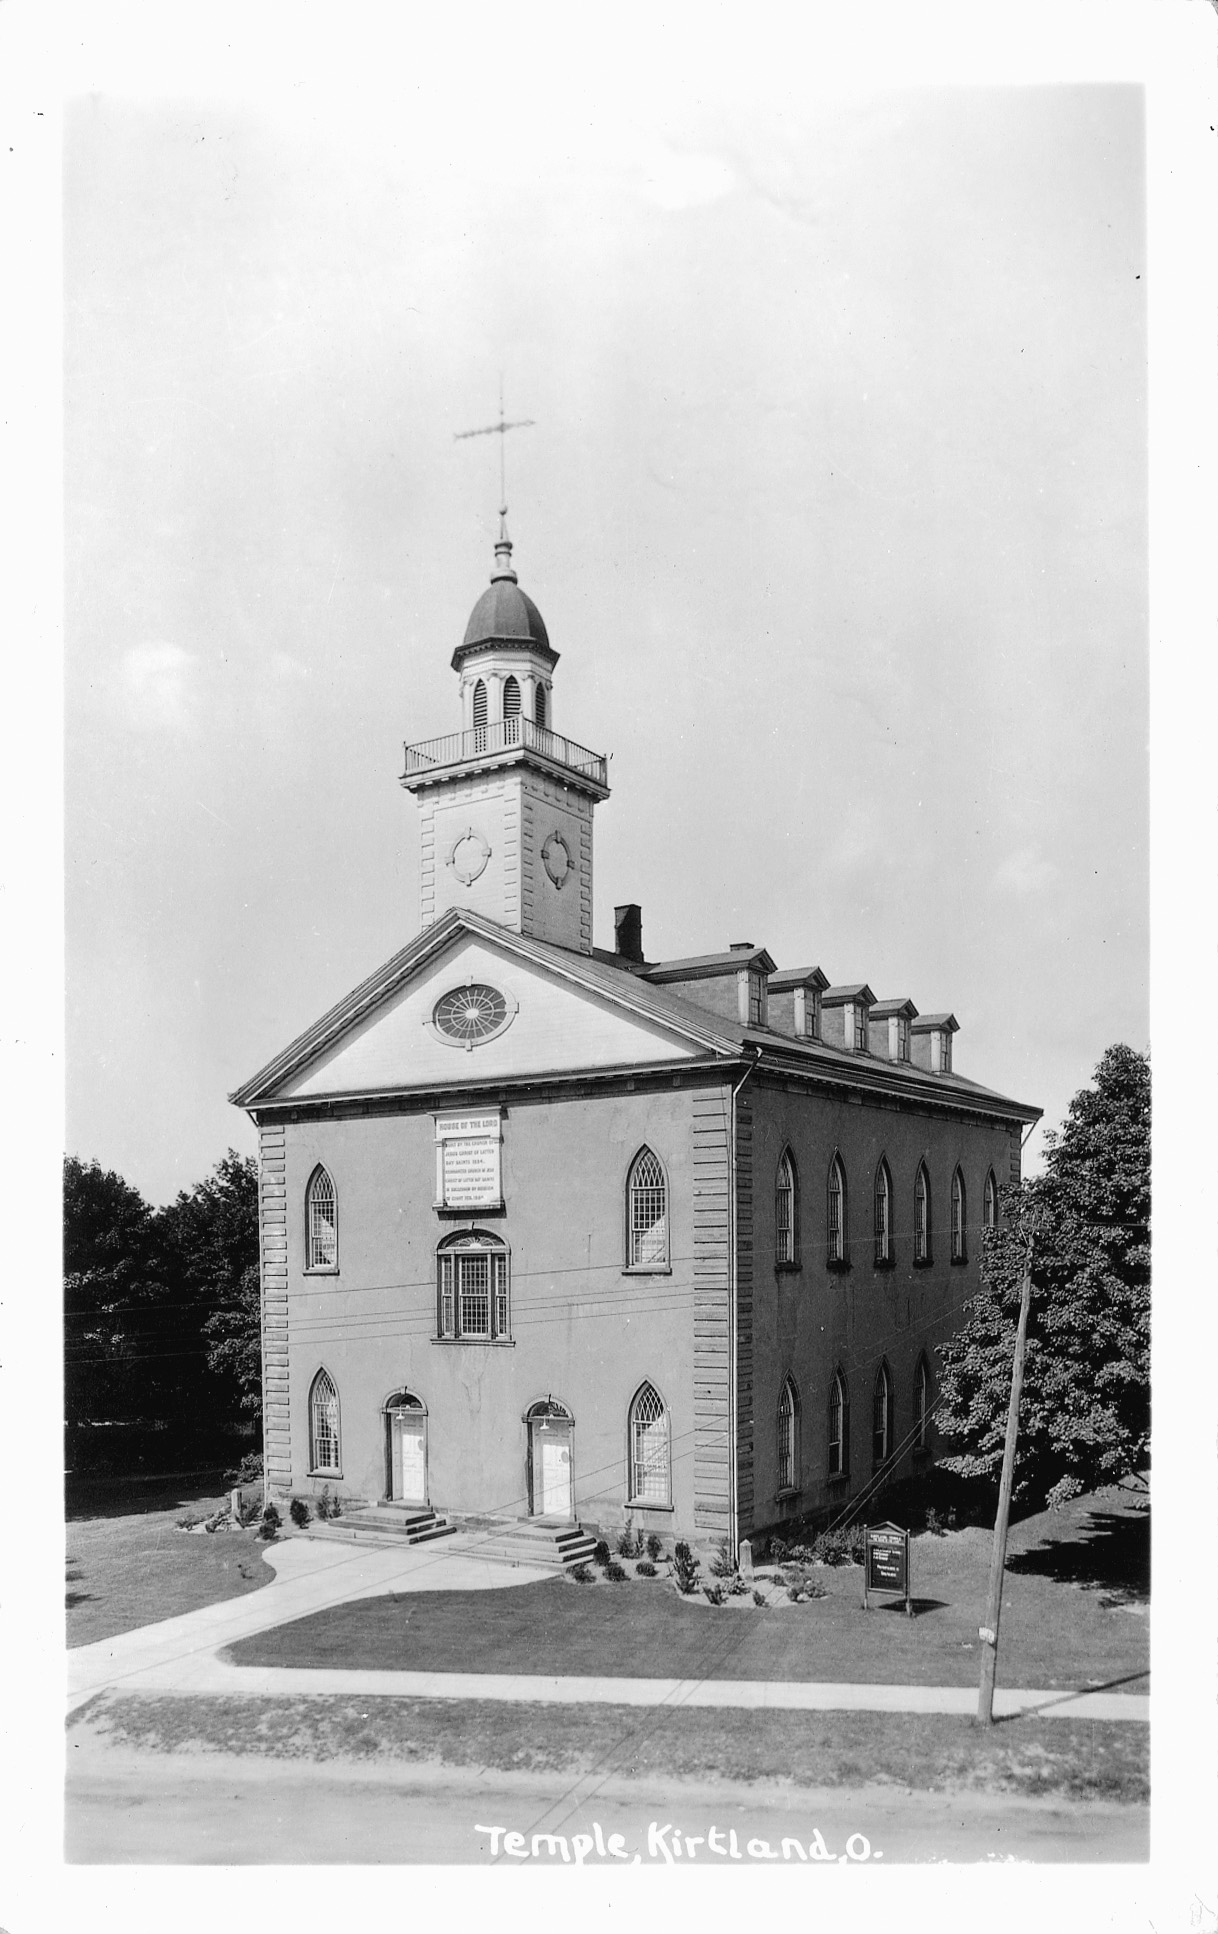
column 556, row 1236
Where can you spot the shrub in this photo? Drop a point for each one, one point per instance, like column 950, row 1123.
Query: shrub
column 759, row 1598
column 248, row 1471
column 645, row 1568
column 655, row 1545
column 722, row 1564
column 601, row 1554
column 626, row 1542
column 299, row 1513
column 268, row 1530
column 270, row 1515
column 840, row 1547
column 715, row 1593
column 327, row 1505
column 616, row 1573
column 250, row 1511
column 582, row 1574
column 684, row 1568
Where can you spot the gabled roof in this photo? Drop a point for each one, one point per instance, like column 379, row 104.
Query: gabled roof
column 880, row 1010
column 860, row 991
column 925, row 1021
column 705, row 966
column 790, row 977
column 629, row 992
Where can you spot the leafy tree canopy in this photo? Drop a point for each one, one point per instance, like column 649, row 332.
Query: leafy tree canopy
column 1085, row 1412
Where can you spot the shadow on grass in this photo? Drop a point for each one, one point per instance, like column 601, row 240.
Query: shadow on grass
column 920, row 1606
column 1108, row 1551
column 124, row 1497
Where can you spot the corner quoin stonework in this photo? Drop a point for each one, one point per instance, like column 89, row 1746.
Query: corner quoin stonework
column 273, row 1232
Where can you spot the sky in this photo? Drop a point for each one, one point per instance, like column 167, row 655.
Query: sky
column 834, row 504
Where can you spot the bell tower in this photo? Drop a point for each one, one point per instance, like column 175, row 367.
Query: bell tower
column 506, row 803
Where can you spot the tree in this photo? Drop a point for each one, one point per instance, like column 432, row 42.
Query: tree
column 211, row 1233
column 1085, row 1414
column 112, row 1293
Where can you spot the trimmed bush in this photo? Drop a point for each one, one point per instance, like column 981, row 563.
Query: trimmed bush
column 722, row 1564
column 655, row 1545
column 715, row 1593
column 602, row 1554
column 645, row 1568
column 299, row 1513
column 759, row 1598
column 684, row 1568
column 582, row 1574
column 616, row 1573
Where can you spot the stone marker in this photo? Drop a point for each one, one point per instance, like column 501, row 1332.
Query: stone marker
column 746, row 1559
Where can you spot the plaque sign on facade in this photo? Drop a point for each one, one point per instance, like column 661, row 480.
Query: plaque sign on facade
column 467, row 1161
column 886, row 1564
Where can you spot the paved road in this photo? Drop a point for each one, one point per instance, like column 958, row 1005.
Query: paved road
column 125, row 1807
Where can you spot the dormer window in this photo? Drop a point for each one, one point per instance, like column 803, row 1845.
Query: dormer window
column 902, row 1031
column 756, row 997
column 860, row 1027
column 941, row 1051
column 807, row 1012
column 846, row 1017
column 931, row 1042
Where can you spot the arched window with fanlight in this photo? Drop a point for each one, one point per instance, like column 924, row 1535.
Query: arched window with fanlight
column 650, row 1448
column 473, row 1303
column 836, row 1248
column 321, row 1221
column 325, row 1444
column 881, row 1417
column 989, row 1202
column 788, row 1437
column 839, row 1426
column 540, row 714
column 922, row 1403
column 646, row 1213
column 883, row 1215
column 786, row 1212
column 959, row 1217
column 922, row 1215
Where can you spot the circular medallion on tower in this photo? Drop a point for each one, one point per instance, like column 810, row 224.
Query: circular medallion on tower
column 469, row 856
column 556, row 858
column 467, row 1016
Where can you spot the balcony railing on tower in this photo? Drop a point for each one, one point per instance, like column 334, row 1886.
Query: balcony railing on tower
column 482, row 740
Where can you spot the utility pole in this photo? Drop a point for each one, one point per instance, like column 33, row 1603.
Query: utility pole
column 993, row 1611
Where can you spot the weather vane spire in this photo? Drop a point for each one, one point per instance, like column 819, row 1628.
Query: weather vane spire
column 500, row 430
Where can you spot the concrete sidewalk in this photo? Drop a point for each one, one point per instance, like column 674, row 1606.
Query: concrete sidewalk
column 179, row 1655
column 310, row 1576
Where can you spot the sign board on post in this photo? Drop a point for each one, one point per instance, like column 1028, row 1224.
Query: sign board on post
column 467, row 1161
column 886, row 1564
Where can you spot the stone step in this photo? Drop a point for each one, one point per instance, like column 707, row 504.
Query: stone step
column 531, row 1544
column 384, row 1524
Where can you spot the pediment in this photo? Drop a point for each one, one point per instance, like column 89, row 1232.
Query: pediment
column 552, row 1021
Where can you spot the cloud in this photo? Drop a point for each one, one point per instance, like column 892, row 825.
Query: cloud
column 1025, row 872
column 157, row 687
column 676, row 181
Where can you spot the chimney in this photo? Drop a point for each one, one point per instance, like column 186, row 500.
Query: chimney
column 628, row 932
column 740, row 946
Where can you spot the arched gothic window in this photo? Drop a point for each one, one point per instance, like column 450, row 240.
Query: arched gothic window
column 883, row 1213
column 959, row 1211
column 511, row 699
column 839, row 1426
column 922, row 1215
column 835, row 1245
column 881, row 1417
column 989, row 1202
column 472, row 1288
column 479, row 704
column 788, row 1433
column 321, row 1221
column 650, row 1461
column 786, row 1211
column 922, row 1405
column 324, row 1442
column 646, row 1213
column 539, row 705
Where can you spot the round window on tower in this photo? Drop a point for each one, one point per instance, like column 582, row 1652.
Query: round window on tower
column 467, row 1016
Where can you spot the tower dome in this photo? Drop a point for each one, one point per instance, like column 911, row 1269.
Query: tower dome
column 504, row 615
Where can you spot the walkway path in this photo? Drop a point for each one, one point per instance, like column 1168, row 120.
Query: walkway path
column 180, row 1654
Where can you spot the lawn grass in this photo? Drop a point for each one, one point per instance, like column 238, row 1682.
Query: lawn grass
column 1066, row 1621
column 921, row 1752
column 133, row 1570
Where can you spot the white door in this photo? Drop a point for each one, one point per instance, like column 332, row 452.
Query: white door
column 552, row 1472
column 410, row 1456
